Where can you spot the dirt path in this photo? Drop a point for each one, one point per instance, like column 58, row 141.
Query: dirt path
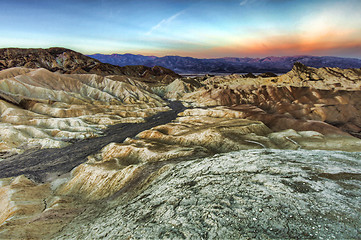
column 38, row 164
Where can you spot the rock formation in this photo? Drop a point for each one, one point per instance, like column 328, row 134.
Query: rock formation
column 255, row 194
column 301, row 99
column 33, row 207
column 41, row 109
column 68, row 61
column 175, row 179
column 126, row 169
column 195, row 134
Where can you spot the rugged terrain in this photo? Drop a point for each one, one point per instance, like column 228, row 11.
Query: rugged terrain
column 249, row 194
column 303, row 99
column 43, row 109
column 112, row 156
column 68, row 61
column 189, row 65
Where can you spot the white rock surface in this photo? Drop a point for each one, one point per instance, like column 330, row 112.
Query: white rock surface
column 249, row 194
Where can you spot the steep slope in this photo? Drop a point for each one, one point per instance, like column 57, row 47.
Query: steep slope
column 39, row 108
column 122, row 171
column 68, row 61
column 68, row 189
column 294, row 100
column 254, row 194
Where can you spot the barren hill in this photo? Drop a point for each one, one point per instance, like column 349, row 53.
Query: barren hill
column 238, row 158
column 70, row 62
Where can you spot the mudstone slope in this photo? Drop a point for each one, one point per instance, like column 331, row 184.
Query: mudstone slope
column 68, row 61
column 177, row 179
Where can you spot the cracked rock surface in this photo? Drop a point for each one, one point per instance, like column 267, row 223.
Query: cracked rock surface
column 246, row 194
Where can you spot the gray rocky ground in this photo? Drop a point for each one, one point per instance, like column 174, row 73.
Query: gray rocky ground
column 87, row 156
column 247, row 194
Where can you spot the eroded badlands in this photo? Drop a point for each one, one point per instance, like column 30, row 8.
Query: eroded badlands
column 303, row 110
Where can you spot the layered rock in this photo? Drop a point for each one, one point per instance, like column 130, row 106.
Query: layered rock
column 255, row 194
column 199, row 132
column 304, row 94
column 68, row 61
column 299, row 76
column 33, row 207
column 41, row 108
column 125, row 170
column 233, row 113
column 323, row 78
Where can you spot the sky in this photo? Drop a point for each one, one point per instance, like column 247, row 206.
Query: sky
column 195, row 28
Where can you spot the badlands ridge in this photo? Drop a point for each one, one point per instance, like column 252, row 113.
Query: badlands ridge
column 48, row 107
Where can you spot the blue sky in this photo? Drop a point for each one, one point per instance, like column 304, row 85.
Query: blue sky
column 198, row 28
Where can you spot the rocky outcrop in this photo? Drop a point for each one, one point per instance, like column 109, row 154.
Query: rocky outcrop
column 293, row 100
column 197, row 133
column 33, row 207
column 254, row 194
column 179, row 171
column 322, row 78
column 54, row 59
column 39, row 108
column 68, row 61
column 124, row 170
column 299, row 76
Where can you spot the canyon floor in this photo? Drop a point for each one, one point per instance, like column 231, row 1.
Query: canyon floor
column 85, row 155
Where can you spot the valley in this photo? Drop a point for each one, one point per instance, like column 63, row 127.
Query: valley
column 93, row 150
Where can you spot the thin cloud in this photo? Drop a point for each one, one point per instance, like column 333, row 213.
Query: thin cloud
column 164, row 22
column 244, row 2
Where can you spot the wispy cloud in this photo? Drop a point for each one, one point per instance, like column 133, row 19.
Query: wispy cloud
column 164, row 22
column 244, row 2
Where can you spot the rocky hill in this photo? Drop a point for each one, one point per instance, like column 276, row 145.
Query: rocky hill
column 298, row 98
column 67, row 61
column 39, row 108
column 92, row 156
column 228, row 65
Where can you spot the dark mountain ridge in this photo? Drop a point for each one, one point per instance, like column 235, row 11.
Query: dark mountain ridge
column 68, row 61
column 228, row 64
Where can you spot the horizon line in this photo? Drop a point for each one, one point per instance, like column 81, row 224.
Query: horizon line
column 172, row 55
column 269, row 56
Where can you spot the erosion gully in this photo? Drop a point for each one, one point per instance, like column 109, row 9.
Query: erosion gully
column 38, row 164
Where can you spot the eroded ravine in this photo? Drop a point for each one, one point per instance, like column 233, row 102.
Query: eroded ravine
column 130, row 165
column 247, row 194
column 39, row 164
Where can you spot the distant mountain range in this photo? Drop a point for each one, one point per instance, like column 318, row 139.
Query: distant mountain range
column 185, row 65
column 68, row 61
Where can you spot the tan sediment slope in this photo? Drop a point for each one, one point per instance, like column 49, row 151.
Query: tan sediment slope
column 300, row 76
column 41, row 108
column 30, row 211
column 129, row 167
column 236, row 113
column 292, row 100
column 125, row 169
column 196, row 133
